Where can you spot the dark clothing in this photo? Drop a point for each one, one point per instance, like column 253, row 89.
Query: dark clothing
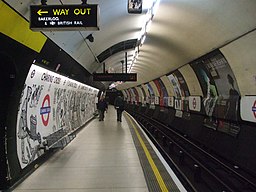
column 102, row 107
column 101, row 115
column 119, row 115
column 119, row 106
column 119, row 103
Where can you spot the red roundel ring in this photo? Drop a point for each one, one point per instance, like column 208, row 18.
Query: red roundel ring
column 45, row 110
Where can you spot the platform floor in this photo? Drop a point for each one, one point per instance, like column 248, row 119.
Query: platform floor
column 102, row 158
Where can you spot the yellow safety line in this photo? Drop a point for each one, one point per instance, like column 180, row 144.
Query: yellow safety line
column 150, row 160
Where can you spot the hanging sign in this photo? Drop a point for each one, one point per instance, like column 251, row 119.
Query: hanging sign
column 114, row 76
column 64, row 17
column 134, row 6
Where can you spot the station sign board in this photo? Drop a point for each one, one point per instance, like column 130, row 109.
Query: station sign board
column 195, row 103
column 64, row 17
column 248, row 108
column 114, row 76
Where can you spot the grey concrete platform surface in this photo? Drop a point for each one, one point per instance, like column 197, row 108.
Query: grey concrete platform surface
column 102, row 158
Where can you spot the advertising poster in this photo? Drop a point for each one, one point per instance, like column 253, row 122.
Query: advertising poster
column 135, row 95
column 181, row 91
column 51, row 106
column 210, row 93
column 143, row 99
column 151, row 93
column 140, row 94
column 132, row 95
column 129, row 96
column 162, row 92
column 179, row 84
column 147, row 98
column 219, row 86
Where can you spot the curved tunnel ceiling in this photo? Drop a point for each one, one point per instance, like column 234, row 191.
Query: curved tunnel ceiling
column 181, row 31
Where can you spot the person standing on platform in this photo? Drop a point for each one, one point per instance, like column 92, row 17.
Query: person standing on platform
column 102, row 107
column 119, row 106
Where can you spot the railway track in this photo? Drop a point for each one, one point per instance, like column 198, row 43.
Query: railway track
column 200, row 168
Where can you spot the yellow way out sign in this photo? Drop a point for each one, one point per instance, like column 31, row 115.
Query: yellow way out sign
column 85, row 11
column 64, row 17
